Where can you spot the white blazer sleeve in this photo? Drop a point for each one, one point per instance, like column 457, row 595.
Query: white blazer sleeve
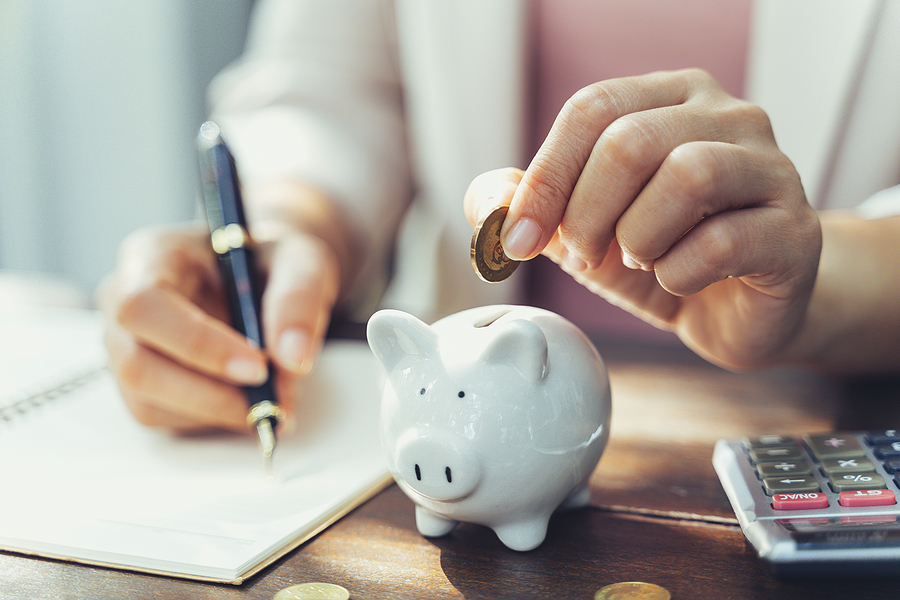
column 885, row 203
column 316, row 98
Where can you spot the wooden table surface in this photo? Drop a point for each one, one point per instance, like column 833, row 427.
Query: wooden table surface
column 658, row 512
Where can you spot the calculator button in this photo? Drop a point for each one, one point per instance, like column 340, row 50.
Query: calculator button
column 800, row 501
column 765, row 441
column 840, row 466
column 867, row 498
column 892, row 465
column 888, row 450
column 782, row 468
column 858, row 481
column 790, row 484
column 835, row 445
column 883, row 436
column 759, row 455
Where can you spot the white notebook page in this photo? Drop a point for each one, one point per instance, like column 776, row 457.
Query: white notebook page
column 82, row 480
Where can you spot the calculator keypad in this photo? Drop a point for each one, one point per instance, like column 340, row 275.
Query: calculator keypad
column 820, row 470
column 832, row 511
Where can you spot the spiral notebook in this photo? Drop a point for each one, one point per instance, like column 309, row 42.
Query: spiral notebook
column 80, row 480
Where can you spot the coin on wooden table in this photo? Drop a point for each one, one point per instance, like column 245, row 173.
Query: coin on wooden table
column 633, row 590
column 488, row 258
column 313, row 591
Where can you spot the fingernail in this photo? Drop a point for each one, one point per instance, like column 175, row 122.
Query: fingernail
column 629, row 262
column 293, row 347
column 522, row 239
column 245, row 370
column 572, row 263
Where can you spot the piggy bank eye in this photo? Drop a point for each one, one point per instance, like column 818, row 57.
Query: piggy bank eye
column 422, row 392
column 461, row 394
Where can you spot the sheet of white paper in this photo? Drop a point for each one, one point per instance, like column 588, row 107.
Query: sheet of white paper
column 43, row 347
column 81, row 479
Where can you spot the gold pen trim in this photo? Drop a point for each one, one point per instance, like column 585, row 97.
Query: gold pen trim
column 230, row 237
column 264, row 410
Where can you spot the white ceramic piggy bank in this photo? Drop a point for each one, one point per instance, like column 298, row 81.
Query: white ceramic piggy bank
column 495, row 415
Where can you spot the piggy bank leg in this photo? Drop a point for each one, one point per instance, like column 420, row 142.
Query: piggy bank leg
column 577, row 498
column 430, row 524
column 523, row 535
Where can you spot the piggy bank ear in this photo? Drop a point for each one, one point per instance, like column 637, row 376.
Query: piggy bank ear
column 520, row 344
column 394, row 335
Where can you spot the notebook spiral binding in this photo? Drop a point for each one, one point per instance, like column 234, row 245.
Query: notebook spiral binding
column 24, row 405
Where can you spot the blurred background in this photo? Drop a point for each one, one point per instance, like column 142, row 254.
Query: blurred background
column 100, row 101
column 99, row 104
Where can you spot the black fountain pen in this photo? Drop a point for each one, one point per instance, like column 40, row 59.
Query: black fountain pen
column 232, row 244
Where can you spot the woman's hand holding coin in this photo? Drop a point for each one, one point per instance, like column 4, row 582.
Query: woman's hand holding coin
column 670, row 198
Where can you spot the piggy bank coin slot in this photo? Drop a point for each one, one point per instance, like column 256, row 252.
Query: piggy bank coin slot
column 491, row 318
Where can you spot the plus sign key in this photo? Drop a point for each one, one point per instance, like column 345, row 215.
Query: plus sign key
column 835, row 445
column 782, row 468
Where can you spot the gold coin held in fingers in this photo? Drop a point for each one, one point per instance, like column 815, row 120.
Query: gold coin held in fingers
column 633, row 590
column 488, row 258
column 313, row 591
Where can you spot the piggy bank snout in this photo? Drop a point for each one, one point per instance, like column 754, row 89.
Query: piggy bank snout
column 438, row 465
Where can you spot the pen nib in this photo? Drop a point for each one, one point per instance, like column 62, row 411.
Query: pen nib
column 266, row 443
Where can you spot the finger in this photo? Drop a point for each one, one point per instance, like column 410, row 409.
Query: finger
column 303, row 285
column 540, row 200
column 489, row 190
column 558, row 253
column 636, row 291
column 168, row 293
column 288, row 389
column 153, row 385
column 749, row 244
column 631, row 150
column 698, row 180
column 166, row 320
column 147, row 413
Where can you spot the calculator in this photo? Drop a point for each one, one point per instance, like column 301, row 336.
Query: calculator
column 817, row 504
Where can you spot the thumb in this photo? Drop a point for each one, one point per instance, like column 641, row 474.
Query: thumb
column 490, row 190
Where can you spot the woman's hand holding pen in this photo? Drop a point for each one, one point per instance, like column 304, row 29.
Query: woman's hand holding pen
column 669, row 197
column 178, row 362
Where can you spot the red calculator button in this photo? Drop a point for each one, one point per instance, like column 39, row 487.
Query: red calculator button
column 858, row 498
column 799, row 501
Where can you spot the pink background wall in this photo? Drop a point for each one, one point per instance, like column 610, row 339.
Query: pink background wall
column 579, row 42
